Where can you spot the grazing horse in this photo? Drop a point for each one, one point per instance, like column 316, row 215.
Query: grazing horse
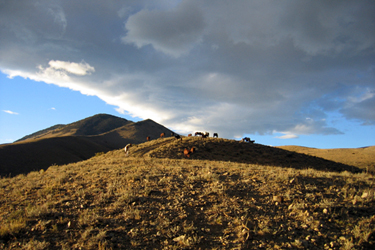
column 190, row 135
column 178, row 137
column 127, row 149
column 148, row 138
column 187, row 152
column 216, row 135
column 198, row 134
column 247, row 139
column 162, row 135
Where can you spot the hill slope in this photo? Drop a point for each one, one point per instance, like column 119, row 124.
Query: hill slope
column 145, row 201
column 360, row 157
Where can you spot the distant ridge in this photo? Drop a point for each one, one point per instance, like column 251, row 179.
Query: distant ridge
column 77, row 141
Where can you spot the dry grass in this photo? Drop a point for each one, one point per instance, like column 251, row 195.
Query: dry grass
column 147, row 201
column 363, row 158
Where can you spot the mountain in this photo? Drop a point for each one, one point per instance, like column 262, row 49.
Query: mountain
column 93, row 125
column 77, row 141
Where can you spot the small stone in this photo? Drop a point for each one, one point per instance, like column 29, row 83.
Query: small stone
column 179, row 238
column 342, row 238
column 277, row 198
column 325, row 211
column 364, row 195
column 69, row 224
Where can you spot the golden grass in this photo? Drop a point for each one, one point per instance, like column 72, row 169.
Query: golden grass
column 145, row 201
column 363, row 158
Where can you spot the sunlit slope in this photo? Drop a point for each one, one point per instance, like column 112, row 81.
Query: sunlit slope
column 360, row 157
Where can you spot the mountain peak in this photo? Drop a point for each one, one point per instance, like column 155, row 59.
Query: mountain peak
column 93, row 125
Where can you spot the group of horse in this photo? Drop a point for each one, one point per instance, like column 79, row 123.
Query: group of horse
column 178, row 137
column 187, row 152
column 162, row 135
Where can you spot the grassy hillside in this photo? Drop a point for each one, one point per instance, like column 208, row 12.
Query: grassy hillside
column 147, row 201
column 360, row 157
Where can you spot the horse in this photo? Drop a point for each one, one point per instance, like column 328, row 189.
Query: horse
column 187, row 152
column 162, row 135
column 127, row 149
column 247, row 139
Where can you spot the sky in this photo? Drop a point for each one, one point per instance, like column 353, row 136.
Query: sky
column 280, row 72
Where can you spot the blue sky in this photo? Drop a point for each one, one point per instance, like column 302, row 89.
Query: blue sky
column 252, row 68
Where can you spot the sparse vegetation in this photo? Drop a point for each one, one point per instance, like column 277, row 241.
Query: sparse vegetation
column 156, row 199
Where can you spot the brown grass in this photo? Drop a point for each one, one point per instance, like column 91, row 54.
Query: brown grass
column 363, row 158
column 146, row 201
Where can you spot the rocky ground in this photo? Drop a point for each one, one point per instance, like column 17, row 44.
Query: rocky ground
column 145, row 201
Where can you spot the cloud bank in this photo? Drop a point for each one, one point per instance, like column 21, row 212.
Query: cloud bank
column 236, row 68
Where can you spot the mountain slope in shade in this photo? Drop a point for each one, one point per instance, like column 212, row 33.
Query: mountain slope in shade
column 74, row 142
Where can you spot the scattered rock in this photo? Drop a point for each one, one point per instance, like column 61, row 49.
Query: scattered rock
column 180, row 238
column 277, row 198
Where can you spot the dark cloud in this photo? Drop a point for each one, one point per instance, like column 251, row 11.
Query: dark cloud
column 230, row 67
column 173, row 32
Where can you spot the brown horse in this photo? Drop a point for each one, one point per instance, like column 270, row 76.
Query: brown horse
column 187, row 152
column 162, row 135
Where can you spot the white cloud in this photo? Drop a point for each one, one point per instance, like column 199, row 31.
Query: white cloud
column 10, row 112
column 287, row 136
column 80, row 69
column 60, row 73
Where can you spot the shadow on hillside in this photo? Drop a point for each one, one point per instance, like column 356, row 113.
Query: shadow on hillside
column 250, row 153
